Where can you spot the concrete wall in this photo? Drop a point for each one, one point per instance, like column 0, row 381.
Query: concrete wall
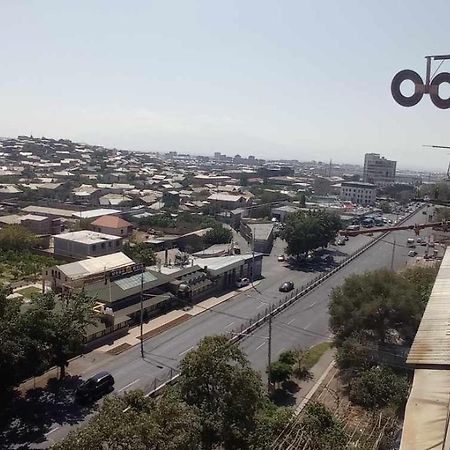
column 74, row 249
column 124, row 231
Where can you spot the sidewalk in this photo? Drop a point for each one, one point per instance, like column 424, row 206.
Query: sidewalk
column 153, row 327
column 173, row 318
column 307, row 388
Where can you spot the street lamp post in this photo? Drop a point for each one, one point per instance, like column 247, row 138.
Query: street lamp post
column 142, row 311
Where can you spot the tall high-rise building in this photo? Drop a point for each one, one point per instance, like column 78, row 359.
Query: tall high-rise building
column 378, row 170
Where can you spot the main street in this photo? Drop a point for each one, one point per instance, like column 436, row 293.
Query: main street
column 301, row 325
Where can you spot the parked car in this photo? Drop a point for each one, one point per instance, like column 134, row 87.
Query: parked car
column 281, row 258
column 93, row 388
column 345, row 238
column 241, row 282
column 412, row 253
column 287, row 286
column 340, row 240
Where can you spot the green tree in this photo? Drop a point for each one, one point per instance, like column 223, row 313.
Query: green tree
column 13, row 358
column 270, row 422
column 63, row 320
column 280, row 372
column 134, row 422
column 141, row 253
column 16, row 237
column 356, row 353
column 323, row 429
column 378, row 387
column 288, row 357
column 158, row 221
column 301, row 198
column 381, row 305
column 218, row 381
column 422, row 278
column 442, row 213
column 385, row 207
column 305, row 231
column 218, row 235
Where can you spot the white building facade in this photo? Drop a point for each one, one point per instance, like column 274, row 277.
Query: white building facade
column 358, row 193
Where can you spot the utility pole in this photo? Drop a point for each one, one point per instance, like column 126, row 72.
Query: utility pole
column 253, row 256
column 142, row 310
column 392, row 256
column 269, row 353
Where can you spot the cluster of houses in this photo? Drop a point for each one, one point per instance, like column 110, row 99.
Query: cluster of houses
column 85, row 202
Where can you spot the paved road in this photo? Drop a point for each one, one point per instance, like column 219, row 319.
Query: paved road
column 306, row 322
column 301, row 325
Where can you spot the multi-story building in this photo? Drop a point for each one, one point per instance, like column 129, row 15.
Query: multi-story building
column 358, row 193
column 113, row 225
column 378, row 170
column 83, row 244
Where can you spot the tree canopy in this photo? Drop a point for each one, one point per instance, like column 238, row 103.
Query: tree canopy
column 47, row 333
column 16, row 237
column 374, row 316
column 217, row 379
column 381, row 305
column 141, row 253
column 167, row 424
column 442, row 213
column 218, row 402
column 218, row 235
column 305, row 231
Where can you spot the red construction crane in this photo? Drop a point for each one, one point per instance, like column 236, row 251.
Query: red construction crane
column 445, row 225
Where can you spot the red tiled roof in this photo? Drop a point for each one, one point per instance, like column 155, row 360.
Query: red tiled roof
column 111, row 222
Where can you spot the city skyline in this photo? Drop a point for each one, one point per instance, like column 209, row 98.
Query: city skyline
column 303, row 80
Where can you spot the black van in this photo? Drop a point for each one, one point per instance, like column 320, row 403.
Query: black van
column 96, row 386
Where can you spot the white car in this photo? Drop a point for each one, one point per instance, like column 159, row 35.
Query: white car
column 281, row 258
column 241, row 282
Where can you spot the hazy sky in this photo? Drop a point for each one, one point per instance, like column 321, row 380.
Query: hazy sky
column 276, row 79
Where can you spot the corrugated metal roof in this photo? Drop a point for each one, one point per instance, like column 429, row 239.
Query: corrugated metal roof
column 96, row 265
column 431, row 345
column 426, row 412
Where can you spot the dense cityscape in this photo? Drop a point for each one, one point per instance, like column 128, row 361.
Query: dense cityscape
column 142, row 256
column 224, row 225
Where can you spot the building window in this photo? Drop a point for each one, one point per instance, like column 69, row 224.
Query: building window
column 117, row 243
column 94, row 248
column 121, row 231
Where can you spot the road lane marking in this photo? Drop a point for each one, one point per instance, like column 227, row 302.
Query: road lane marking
column 260, row 345
column 51, row 431
column 182, row 353
column 291, row 321
column 261, row 305
column 226, row 326
column 129, row 384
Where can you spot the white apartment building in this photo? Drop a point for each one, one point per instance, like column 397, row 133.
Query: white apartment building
column 358, row 193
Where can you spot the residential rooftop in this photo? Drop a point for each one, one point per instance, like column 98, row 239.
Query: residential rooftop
column 87, row 237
